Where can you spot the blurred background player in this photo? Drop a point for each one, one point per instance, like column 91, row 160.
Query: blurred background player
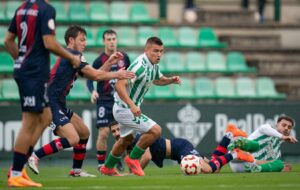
column 67, row 124
column 103, row 96
column 126, row 110
column 177, row 148
column 260, row 9
column 265, row 143
column 34, row 25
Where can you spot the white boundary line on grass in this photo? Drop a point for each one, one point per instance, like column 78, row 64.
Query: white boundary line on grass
column 275, row 186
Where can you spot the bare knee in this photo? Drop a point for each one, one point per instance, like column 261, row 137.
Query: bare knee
column 156, row 131
column 85, row 133
column 73, row 140
column 103, row 134
column 125, row 142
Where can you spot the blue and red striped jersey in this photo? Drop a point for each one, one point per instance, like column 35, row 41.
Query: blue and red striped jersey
column 106, row 88
column 62, row 77
column 32, row 20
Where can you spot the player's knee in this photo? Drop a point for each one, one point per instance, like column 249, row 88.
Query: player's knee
column 74, row 140
column 84, row 133
column 103, row 135
column 156, row 131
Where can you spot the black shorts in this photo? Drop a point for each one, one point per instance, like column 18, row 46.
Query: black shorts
column 61, row 115
column 180, row 148
column 33, row 95
column 105, row 116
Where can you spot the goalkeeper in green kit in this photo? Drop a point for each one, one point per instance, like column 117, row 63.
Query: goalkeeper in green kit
column 264, row 144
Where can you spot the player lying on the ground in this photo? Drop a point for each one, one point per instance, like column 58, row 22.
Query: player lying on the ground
column 264, row 143
column 177, row 148
column 67, row 124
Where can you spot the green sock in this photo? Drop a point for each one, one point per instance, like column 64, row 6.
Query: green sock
column 136, row 153
column 274, row 166
column 112, row 161
column 249, row 145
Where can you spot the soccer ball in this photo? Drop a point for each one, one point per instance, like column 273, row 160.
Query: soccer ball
column 191, row 165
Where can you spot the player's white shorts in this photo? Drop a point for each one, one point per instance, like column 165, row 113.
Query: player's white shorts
column 129, row 124
column 237, row 166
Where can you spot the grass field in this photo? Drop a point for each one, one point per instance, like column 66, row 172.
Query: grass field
column 167, row 178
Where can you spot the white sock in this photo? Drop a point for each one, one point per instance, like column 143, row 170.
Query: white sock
column 77, row 170
column 15, row 173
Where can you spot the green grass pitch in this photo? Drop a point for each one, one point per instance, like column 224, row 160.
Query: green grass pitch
column 168, row 177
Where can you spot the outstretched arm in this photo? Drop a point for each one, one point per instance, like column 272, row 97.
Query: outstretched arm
column 268, row 130
column 97, row 75
column 52, row 45
column 113, row 59
column 162, row 81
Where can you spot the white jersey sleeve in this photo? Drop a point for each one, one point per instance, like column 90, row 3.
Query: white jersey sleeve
column 266, row 129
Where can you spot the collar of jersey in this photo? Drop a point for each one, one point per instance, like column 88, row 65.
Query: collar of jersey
column 147, row 60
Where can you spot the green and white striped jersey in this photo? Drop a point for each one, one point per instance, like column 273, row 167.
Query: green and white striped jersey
column 145, row 73
column 269, row 140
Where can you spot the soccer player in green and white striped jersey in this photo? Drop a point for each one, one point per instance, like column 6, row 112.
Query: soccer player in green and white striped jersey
column 264, row 143
column 128, row 98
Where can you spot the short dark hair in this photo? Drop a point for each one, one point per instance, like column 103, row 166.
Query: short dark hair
column 286, row 117
column 154, row 40
column 109, row 31
column 72, row 32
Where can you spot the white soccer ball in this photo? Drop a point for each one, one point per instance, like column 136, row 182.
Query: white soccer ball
column 191, row 165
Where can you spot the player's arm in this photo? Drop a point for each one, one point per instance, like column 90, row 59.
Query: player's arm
column 120, row 88
column 162, row 81
column 145, row 159
column 268, row 130
column 206, row 169
column 98, row 75
column 10, row 44
column 113, row 59
column 52, row 45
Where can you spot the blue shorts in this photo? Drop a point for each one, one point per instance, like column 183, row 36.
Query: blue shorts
column 180, row 148
column 33, row 95
column 61, row 115
column 105, row 116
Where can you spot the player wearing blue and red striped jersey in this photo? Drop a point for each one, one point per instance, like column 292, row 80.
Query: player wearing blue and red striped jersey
column 67, row 124
column 34, row 26
column 176, row 148
column 103, row 96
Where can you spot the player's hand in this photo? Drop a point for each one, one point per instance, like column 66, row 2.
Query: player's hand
column 176, row 80
column 289, row 139
column 136, row 111
column 115, row 57
column 123, row 74
column 76, row 61
column 287, row 167
column 94, row 96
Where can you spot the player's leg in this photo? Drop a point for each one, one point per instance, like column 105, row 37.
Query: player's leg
column 21, row 150
column 231, row 133
column 244, row 144
column 68, row 138
column 217, row 163
column 33, row 101
column 270, row 166
column 101, row 144
column 150, row 132
column 79, row 150
column 115, row 155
